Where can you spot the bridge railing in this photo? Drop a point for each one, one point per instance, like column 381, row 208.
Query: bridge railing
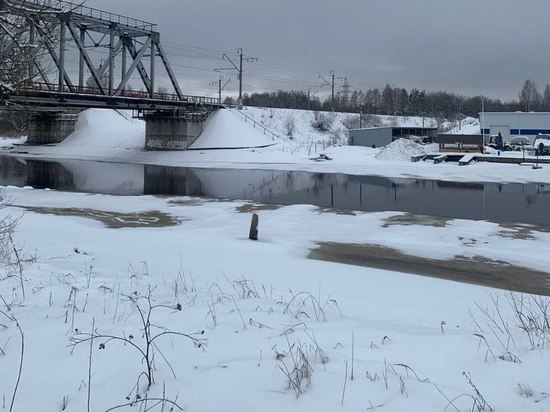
column 111, row 17
column 136, row 94
column 253, row 122
column 69, row 6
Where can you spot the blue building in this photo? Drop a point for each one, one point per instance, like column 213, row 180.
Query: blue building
column 511, row 124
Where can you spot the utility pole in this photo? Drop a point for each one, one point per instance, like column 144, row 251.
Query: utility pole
column 240, row 53
column 239, row 69
column 310, row 96
column 483, row 123
column 331, row 84
column 332, row 98
column 220, row 87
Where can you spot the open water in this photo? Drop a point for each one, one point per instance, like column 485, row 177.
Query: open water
column 515, row 203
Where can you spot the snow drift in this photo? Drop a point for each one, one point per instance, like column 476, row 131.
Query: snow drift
column 107, row 129
column 401, row 149
column 226, row 130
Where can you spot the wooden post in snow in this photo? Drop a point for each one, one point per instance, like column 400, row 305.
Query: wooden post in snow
column 253, row 235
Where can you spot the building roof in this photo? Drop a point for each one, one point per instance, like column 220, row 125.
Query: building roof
column 519, row 113
column 395, row 127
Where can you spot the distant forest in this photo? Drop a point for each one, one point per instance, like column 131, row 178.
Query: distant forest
column 393, row 100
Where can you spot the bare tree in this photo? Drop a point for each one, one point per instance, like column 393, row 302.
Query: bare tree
column 546, row 98
column 529, row 97
column 103, row 79
column 289, row 126
column 163, row 90
column 11, row 259
column 13, row 122
column 25, row 30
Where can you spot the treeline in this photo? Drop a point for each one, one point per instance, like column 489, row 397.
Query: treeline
column 392, row 100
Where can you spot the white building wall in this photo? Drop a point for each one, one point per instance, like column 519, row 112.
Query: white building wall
column 512, row 124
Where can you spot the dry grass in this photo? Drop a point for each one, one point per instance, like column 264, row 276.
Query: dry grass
column 408, row 219
column 256, row 207
column 521, row 232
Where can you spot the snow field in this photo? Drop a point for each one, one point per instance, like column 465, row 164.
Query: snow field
column 264, row 308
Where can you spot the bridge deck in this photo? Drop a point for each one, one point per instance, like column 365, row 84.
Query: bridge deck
column 90, row 97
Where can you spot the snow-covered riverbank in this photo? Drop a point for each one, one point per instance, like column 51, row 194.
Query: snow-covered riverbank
column 277, row 324
column 108, row 136
column 246, row 325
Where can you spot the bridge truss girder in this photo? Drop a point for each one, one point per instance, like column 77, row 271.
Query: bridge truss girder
column 59, row 25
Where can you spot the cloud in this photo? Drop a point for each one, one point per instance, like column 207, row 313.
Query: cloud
column 487, row 47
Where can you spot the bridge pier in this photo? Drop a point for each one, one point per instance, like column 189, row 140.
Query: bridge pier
column 172, row 130
column 50, row 127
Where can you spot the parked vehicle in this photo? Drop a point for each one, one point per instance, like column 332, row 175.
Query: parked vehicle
column 506, row 146
column 541, row 145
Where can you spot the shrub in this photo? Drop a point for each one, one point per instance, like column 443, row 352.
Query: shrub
column 322, row 122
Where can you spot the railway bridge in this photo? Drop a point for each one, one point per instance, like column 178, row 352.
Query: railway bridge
column 78, row 57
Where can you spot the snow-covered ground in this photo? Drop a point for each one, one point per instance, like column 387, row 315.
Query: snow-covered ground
column 112, row 291
column 109, row 136
column 468, row 125
column 266, row 327
column 225, row 130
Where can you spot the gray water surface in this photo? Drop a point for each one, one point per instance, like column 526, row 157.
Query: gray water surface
column 512, row 202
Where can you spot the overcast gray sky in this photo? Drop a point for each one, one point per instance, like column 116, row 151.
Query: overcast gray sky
column 472, row 47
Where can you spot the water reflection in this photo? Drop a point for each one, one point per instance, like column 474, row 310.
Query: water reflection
column 523, row 203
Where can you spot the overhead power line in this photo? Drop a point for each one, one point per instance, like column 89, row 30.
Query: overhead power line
column 198, row 48
column 221, row 86
column 285, row 81
column 238, row 68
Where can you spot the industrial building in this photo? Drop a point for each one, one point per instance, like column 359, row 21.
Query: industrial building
column 510, row 124
column 382, row 136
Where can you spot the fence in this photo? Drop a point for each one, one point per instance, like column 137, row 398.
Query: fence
column 254, row 122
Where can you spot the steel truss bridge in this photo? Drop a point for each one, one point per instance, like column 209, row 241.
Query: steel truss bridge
column 129, row 49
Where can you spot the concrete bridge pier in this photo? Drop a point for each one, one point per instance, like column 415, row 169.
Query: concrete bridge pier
column 172, row 130
column 50, row 127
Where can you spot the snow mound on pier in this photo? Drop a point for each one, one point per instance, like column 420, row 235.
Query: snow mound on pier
column 225, row 129
column 104, row 129
column 401, row 149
